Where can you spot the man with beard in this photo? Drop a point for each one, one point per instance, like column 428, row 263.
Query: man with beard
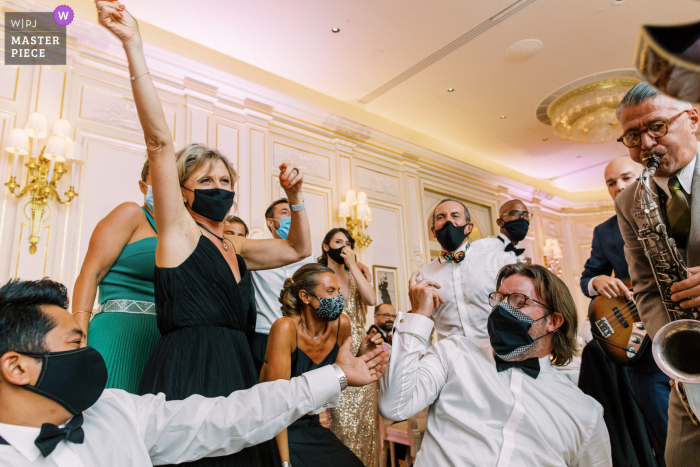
column 656, row 125
column 384, row 317
column 466, row 272
column 514, row 221
column 499, row 404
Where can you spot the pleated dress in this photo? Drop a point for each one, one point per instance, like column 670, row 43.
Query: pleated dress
column 202, row 316
column 124, row 330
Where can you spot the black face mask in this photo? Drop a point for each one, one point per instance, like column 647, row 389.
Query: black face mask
column 516, row 229
column 74, row 378
column 508, row 331
column 212, row 203
column 451, row 237
column 334, row 253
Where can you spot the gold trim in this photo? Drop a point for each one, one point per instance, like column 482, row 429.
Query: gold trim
column 586, row 88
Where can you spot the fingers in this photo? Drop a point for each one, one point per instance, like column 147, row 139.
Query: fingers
column 371, row 356
column 686, row 293
column 413, row 280
column 377, row 339
column 429, row 283
column 372, row 333
column 688, row 283
column 437, row 300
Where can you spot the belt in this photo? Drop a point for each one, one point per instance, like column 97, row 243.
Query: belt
column 128, row 306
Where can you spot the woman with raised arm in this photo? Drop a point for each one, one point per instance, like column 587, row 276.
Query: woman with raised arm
column 200, row 310
column 355, row 420
column 305, row 338
column 119, row 263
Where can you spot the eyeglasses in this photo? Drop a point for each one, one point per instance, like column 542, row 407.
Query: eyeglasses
column 387, row 316
column 514, row 214
column 516, row 300
column 656, row 129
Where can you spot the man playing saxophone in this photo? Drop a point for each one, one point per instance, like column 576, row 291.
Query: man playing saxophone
column 654, row 124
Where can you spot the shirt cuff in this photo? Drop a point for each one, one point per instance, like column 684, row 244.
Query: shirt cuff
column 325, row 388
column 591, row 291
column 415, row 324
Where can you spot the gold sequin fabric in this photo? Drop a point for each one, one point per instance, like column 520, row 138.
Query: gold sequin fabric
column 355, row 421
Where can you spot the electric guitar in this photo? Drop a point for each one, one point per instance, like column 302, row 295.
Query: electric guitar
column 616, row 325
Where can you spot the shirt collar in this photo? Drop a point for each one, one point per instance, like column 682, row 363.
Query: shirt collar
column 22, row 439
column 504, row 239
column 685, row 177
column 462, row 248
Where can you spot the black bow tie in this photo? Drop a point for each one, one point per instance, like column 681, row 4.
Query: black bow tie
column 518, row 251
column 530, row 367
column 50, row 435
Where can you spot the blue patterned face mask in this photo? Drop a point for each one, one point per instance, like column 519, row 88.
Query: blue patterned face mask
column 149, row 198
column 330, row 308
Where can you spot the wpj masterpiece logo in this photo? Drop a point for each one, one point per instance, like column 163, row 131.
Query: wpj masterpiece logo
column 36, row 38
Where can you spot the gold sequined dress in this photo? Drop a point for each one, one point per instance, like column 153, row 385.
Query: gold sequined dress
column 355, row 420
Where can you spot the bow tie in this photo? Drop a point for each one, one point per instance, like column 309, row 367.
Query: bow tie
column 50, row 435
column 517, row 251
column 530, row 367
column 456, row 257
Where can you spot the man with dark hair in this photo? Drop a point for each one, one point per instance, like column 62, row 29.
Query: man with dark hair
column 499, row 404
column 384, row 317
column 657, row 125
column 55, row 410
column 466, row 271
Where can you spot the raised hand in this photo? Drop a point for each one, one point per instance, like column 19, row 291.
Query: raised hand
column 360, row 371
column 291, row 180
column 424, row 295
column 114, row 17
column 349, row 256
column 370, row 342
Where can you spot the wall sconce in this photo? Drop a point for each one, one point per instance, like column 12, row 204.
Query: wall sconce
column 46, row 170
column 356, row 218
column 552, row 254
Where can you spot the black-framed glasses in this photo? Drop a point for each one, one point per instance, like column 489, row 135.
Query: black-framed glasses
column 656, row 129
column 516, row 300
column 515, row 214
column 387, row 316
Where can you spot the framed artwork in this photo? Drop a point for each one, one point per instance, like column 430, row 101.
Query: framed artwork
column 386, row 285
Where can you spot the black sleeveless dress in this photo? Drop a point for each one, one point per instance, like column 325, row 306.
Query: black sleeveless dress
column 201, row 313
column 310, row 444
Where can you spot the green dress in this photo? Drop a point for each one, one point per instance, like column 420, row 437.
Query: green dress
column 124, row 330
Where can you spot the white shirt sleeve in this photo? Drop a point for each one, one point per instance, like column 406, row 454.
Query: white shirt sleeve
column 591, row 291
column 183, row 431
column 411, row 383
column 596, row 451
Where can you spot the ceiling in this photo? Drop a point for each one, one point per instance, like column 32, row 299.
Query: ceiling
column 415, row 46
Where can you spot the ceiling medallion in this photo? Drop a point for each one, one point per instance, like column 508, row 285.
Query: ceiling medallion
column 587, row 114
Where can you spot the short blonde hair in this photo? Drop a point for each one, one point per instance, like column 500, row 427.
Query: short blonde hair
column 192, row 157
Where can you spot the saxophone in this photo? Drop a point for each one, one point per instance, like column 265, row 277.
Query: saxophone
column 677, row 345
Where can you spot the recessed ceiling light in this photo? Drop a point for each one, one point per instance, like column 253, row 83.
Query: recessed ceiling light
column 503, row 117
column 335, row 30
column 545, row 139
column 451, row 90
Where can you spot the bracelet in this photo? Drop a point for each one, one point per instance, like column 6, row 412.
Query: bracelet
column 286, row 464
column 134, row 79
column 341, row 377
column 84, row 311
column 298, row 207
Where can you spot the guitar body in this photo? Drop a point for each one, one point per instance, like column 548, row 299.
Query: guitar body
column 616, row 325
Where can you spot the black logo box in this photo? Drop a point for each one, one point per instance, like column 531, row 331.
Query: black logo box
column 34, row 39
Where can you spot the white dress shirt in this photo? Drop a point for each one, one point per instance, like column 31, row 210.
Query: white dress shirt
column 122, row 429
column 484, row 418
column 465, row 287
column 268, row 284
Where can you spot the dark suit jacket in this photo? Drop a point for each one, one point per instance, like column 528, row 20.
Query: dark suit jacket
column 607, row 254
column 646, row 292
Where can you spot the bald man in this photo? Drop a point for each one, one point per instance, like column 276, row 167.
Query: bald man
column 514, row 221
column 649, row 384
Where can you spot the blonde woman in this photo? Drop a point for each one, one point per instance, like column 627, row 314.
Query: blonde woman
column 305, row 338
column 201, row 311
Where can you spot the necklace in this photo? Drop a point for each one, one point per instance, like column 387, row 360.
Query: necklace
column 307, row 331
column 222, row 239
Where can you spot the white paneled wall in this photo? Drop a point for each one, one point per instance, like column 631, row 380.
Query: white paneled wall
column 256, row 129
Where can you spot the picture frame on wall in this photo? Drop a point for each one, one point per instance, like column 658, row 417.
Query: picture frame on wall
column 386, row 285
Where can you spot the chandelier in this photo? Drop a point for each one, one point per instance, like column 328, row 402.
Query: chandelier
column 356, row 219
column 587, row 114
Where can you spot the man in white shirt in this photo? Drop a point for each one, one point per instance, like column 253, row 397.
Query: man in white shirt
column 496, row 402
column 54, row 410
column 514, row 222
column 466, row 272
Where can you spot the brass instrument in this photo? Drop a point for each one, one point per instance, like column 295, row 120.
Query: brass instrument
column 677, row 344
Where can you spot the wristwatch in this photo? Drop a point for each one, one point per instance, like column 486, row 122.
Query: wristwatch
column 341, row 377
column 298, row 207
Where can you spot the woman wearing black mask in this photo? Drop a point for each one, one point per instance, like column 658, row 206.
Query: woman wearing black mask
column 199, row 305
column 354, row 422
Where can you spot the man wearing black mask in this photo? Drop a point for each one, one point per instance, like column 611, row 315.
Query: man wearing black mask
column 466, row 271
column 55, row 410
column 514, row 221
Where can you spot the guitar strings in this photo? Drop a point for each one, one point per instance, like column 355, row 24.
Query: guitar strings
column 632, row 309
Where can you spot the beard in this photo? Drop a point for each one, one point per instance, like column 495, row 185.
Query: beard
column 386, row 327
